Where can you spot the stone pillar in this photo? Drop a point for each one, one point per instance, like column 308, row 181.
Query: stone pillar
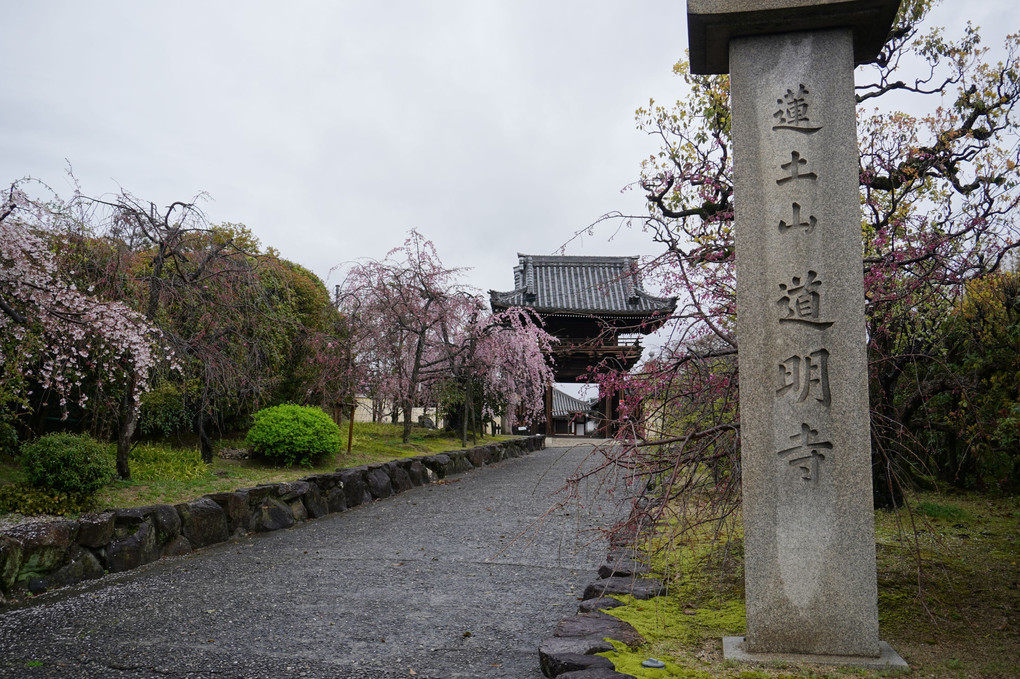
column 806, row 450
column 809, row 546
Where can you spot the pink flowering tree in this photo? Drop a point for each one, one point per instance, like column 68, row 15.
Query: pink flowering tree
column 939, row 195
column 401, row 303
column 513, row 353
column 499, row 363
column 55, row 336
column 418, row 331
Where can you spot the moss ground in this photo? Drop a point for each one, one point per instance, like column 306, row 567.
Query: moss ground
column 954, row 618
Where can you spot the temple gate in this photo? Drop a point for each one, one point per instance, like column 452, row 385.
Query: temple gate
column 597, row 309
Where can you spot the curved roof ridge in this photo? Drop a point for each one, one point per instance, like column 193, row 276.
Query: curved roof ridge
column 591, row 284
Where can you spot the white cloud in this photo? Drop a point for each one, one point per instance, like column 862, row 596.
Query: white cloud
column 331, row 128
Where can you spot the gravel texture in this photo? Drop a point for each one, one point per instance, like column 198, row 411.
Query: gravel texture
column 8, row 521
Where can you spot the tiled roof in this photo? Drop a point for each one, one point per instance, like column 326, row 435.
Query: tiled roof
column 565, row 405
column 571, row 284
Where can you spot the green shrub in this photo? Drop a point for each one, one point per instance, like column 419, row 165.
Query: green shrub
column 29, row 500
column 165, row 410
column 8, row 439
column 70, row 463
column 293, row 434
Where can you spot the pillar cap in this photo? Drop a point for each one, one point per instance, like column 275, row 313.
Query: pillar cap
column 711, row 24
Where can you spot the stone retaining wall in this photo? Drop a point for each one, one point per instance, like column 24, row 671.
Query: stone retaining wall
column 36, row 557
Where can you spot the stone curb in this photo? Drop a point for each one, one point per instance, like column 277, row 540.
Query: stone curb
column 41, row 556
column 569, row 652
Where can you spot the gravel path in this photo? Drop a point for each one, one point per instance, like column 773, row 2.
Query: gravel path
column 444, row 581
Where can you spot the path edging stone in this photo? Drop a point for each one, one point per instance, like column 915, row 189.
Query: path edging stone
column 569, row 652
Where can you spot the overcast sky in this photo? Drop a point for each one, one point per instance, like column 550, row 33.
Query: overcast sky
column 332, row 128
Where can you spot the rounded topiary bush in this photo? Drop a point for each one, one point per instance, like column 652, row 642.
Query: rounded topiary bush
column 293, row 434
column 71, row 463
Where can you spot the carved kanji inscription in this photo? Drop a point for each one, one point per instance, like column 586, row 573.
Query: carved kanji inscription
column 808, row 224
column 800, row 301
column 806, row 453
column 804, row 376
column 794, row 169
column 793, row 112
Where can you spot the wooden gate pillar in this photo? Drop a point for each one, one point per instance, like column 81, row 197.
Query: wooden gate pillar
column 548, row 411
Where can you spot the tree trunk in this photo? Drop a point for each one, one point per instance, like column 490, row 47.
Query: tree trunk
column 203, row 437
column 419, row 351
column 406, row 436
column 129, row 404
column 887, row 490
column 128, row 422
column 471, row 413
column 885, row 487
column 201, row 419
column 350, row 425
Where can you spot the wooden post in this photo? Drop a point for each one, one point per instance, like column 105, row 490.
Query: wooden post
column 350, row 425
column 607, row 411
column 548, row 411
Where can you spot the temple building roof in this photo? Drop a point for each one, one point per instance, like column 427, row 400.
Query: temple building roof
column 599, row 286
column 565, row 405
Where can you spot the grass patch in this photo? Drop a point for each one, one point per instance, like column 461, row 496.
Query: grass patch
column 372, row 439
column 935, row 510
column 10, row 470
column 160, row 463
column 167, row 474
column 954, row 618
